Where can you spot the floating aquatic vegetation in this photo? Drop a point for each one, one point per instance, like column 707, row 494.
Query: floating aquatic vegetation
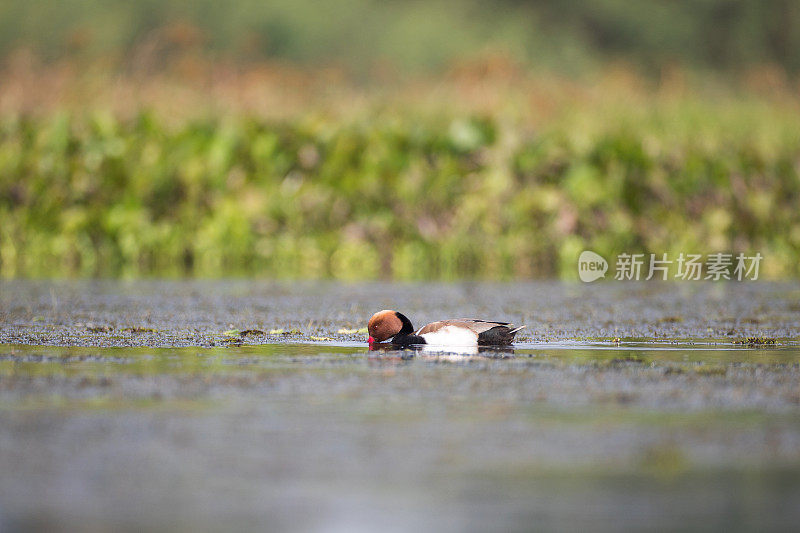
column 138, row 329
column 347, row 331
column 756, row 341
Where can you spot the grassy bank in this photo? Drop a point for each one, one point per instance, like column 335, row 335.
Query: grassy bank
column 515, row 187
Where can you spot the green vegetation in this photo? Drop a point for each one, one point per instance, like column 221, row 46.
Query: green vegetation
column 410, row 140
column 399, row 190
column 756, row 341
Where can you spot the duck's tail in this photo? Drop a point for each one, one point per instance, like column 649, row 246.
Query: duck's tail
column 515, row 330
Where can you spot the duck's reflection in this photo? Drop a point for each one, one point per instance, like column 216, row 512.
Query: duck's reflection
column 387, row 349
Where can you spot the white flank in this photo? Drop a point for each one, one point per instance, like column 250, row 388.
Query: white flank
column 449, row 353
column 451, row 336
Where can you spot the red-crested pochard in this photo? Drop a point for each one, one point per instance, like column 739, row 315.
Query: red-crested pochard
column 387, row 324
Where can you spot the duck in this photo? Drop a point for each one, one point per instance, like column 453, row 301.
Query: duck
column 393, row 326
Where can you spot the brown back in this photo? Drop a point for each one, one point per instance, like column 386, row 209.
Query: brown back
column 474, row 324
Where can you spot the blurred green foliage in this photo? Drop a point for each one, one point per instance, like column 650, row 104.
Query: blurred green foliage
column 284, row 138
column 396, row 193
column 565, row 34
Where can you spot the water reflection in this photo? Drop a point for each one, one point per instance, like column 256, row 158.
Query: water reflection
column 429, row 350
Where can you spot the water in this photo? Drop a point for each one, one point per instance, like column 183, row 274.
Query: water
column 636, row 410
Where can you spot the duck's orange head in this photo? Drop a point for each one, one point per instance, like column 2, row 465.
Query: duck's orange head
column 384, row 325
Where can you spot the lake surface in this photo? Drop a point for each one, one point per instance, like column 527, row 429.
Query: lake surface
column 131, row 405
